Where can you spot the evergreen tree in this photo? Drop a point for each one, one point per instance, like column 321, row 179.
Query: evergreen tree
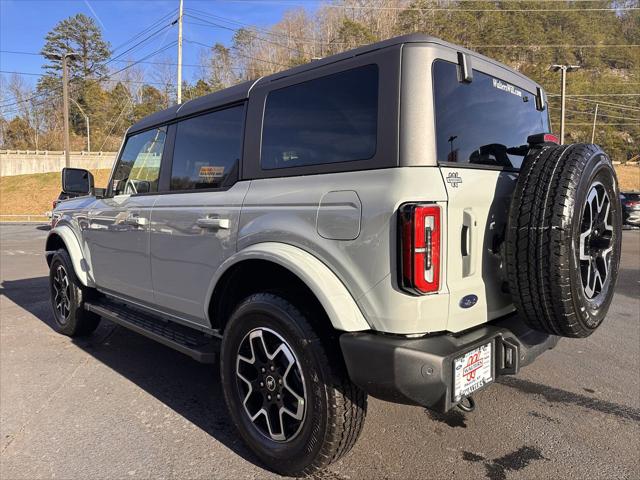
column 78, row 34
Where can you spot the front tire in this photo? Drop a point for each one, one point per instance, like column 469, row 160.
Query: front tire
column 67, row 296
column 287, row 389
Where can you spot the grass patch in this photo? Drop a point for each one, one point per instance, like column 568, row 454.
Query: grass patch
column 33, row 194
column 628, row 177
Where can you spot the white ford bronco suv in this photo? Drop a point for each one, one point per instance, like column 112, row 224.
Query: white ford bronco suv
column 394, row 220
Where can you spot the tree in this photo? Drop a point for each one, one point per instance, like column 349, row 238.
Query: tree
column 221, row 67
column 27, row 108
column 81, row 35
column 151, row 100
column 18, row 134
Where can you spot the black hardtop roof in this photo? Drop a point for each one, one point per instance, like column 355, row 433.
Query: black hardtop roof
column 240, row 92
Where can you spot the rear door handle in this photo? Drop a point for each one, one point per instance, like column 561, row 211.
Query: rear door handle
column 467, row 242
column 213, row 223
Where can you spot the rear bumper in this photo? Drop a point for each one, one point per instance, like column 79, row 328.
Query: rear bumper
column 419, row 371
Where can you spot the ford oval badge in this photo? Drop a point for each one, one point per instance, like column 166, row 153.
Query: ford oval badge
column 468, row 301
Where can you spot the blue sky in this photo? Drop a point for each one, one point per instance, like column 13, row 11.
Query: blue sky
column 24, row 23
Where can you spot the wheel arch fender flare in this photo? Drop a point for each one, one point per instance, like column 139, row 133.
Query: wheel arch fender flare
column 338, row 303
column 66, row 235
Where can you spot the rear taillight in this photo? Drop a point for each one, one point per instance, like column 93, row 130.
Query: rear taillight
column 419, row 228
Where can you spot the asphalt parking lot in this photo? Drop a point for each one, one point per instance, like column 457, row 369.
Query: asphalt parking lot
column 118, row 405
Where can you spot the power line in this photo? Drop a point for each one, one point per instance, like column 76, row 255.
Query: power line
column 103, row 78
column 603, row 124
column 596, row 95
column 557, row 46
column 427, row 9
column 599, row 114
column 45, row 92
column 95, row 68
column 150, row 27
column 241, row 54
column 216, row 25
column 487, row 10
column 44, row 75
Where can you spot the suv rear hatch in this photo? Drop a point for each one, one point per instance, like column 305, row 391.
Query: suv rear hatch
column 479, row 125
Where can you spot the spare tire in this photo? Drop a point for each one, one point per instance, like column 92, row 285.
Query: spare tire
column 563, row 239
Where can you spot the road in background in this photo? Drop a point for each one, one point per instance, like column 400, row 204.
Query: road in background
column 117, row 405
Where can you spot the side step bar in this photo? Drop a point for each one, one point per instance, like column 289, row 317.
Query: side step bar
column 199, row 346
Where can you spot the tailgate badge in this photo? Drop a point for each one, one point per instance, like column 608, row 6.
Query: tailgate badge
column 468, row 301
column 453, row 179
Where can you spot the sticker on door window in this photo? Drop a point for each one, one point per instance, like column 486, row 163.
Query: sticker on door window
column 210, row 173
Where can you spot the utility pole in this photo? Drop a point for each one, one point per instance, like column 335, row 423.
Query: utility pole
column 563, row 93
column 65, row 97
column 65, row 108
column 180, row 54
column 593, row 131
column 86, row 120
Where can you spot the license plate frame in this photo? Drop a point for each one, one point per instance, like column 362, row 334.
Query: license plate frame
column 473, row 370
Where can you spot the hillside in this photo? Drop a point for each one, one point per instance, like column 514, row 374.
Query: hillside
column 34, row 194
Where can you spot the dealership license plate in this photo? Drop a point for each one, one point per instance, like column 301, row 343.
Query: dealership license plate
column 472, row 371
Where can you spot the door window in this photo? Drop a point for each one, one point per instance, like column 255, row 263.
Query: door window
column 138, row 169
column 207, row 150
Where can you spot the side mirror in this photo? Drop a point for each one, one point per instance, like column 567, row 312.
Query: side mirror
column 77, row 181
column 142, row 186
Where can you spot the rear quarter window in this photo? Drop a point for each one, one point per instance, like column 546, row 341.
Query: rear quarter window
column 482, row 122
column 327, row 120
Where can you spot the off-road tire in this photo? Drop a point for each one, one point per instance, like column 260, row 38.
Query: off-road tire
column 72, row 320
column 335, row 407
column 546, row 228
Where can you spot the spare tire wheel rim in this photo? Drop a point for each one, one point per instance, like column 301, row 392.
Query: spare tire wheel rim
column 271, row 384
column 596, row 242
column 61, row 294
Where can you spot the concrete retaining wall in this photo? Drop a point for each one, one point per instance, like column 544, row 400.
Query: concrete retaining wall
column 22, row 163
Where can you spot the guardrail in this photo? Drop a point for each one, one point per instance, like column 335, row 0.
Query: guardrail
column 24, row 162
column 29, row 218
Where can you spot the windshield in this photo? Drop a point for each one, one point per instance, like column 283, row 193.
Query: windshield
column 485, row 121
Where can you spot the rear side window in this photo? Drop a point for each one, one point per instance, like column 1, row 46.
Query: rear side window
column 327, row 120
column 482, row 122
column 207, row 150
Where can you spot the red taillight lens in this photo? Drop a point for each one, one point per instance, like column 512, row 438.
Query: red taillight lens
column 539, row 138
column 419, row 248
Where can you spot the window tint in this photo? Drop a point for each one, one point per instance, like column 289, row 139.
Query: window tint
column 328, row 120
column 483, row 122
column 139, row 166
column 207, row 150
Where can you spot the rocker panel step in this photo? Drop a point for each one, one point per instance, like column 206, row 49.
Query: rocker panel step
column 199, row 346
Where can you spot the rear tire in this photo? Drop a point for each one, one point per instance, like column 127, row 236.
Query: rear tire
column 67, row 296
column 563, row 240
column 272, row 358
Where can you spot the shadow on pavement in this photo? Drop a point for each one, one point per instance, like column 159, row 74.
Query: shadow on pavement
column 557, row 395
column 189, row 388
